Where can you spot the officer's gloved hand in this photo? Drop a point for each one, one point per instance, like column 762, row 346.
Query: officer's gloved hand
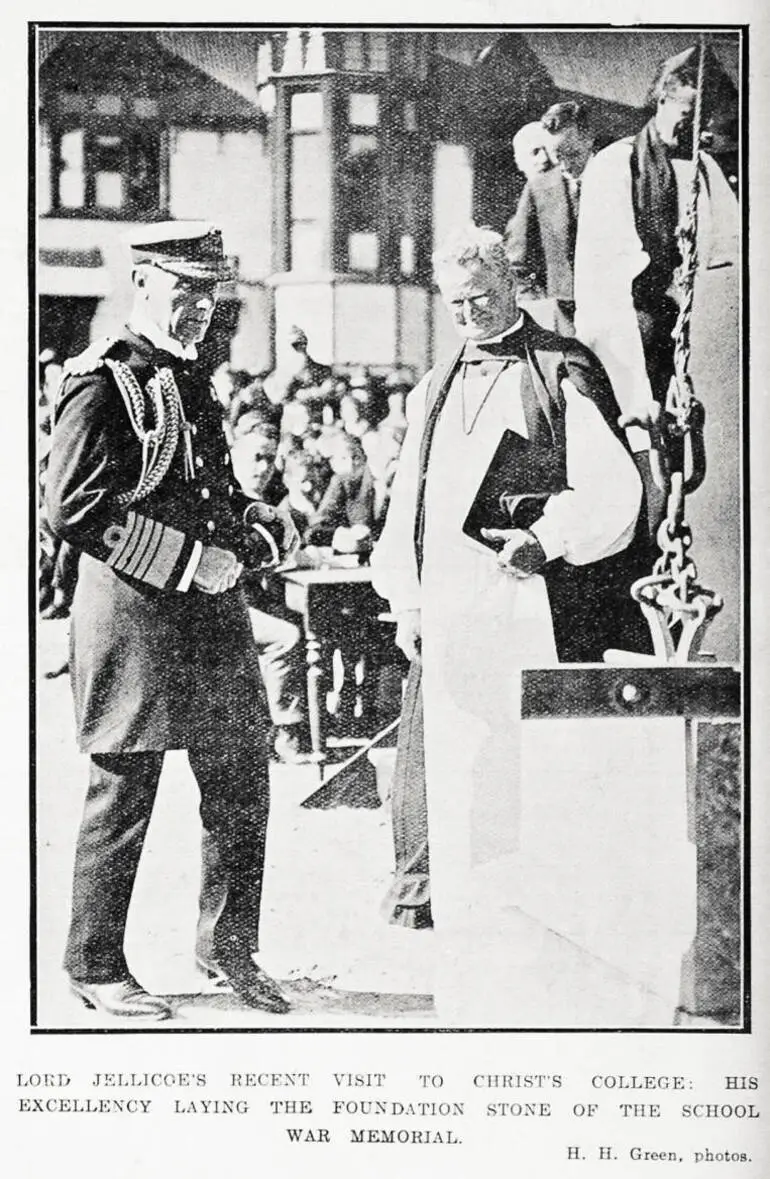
column 271, row 535
column 218, row 570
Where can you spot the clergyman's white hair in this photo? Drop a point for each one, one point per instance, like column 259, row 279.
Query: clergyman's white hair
column 471, row 245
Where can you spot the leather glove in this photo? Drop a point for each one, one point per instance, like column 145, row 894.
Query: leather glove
column 218, row 570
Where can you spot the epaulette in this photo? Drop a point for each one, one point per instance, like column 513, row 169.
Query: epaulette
column 90, row 360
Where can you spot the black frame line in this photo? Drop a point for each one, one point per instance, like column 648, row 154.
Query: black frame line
column 743, row 31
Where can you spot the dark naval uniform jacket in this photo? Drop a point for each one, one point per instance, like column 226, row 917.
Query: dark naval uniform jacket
column 155, row 664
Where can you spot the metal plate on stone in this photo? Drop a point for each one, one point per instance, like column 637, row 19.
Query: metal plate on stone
column 695, row 690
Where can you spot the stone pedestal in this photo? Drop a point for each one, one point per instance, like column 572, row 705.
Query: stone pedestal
column 632, row 826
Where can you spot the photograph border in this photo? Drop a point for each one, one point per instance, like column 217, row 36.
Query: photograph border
column 744, row 32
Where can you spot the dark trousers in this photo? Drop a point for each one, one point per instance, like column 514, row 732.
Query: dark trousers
column 655, row 327
column 281, row 663
column 407, row 901
column 234, row 793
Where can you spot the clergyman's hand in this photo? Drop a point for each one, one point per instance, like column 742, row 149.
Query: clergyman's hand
column 521, row 554
column 649, row 416
column 218, row 570
column 408, row 633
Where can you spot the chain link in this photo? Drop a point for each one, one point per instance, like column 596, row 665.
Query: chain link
column 677, row 607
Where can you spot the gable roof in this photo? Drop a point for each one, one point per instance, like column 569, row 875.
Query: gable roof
column 228, row 58
column 619, row 64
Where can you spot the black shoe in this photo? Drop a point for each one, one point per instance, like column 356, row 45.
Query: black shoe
column 126, row 997
column 249, row 981
column 213, row 972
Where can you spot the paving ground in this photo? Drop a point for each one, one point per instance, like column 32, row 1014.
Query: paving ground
column 322, row 933
column 326, row 874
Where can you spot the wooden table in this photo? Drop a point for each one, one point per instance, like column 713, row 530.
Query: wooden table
column 338, row 608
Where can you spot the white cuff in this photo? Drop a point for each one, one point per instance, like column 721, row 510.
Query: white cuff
column 192, row 567
column 638, row 439
column 550, row 539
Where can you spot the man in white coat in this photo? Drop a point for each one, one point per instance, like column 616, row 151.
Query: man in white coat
column 634, row 197
column 475, row 612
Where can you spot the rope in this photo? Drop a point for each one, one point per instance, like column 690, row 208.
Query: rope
column 158, row 442
column 682, row 395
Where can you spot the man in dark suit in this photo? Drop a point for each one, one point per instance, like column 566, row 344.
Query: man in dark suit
column 352, row 512
column 162, row 655
column 540, row 237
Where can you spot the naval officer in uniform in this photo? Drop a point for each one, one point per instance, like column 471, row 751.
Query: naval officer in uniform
column 162, row 655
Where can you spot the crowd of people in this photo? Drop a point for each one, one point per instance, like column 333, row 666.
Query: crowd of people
column 564, row 341
column 323, row 445
column 327, row 442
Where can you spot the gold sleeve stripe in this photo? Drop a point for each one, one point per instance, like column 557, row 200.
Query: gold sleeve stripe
column 123, row 553
column 166, row 557
column 149, row 553
column 132, row 560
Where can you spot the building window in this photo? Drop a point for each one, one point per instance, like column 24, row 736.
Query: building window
column 414, row 54
column 359, row 177
column 406, row 254
column 109, row 104
column 354, row 165
column 146, row 108
column 378, row 52
column 71, row 186
column 363, row 251
column 43, row 178
column 308, row 181
column 364, row 110
column 353, row 52
column 306, row 111
column 109, row 168
column 107, row 156
column 365, row 52
column 410, row 192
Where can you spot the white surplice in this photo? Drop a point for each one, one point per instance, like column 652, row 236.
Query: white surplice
column 480, row 626
column 609, row 256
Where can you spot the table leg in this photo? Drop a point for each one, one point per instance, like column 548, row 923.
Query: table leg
column 346, row 722
column 316, row 703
